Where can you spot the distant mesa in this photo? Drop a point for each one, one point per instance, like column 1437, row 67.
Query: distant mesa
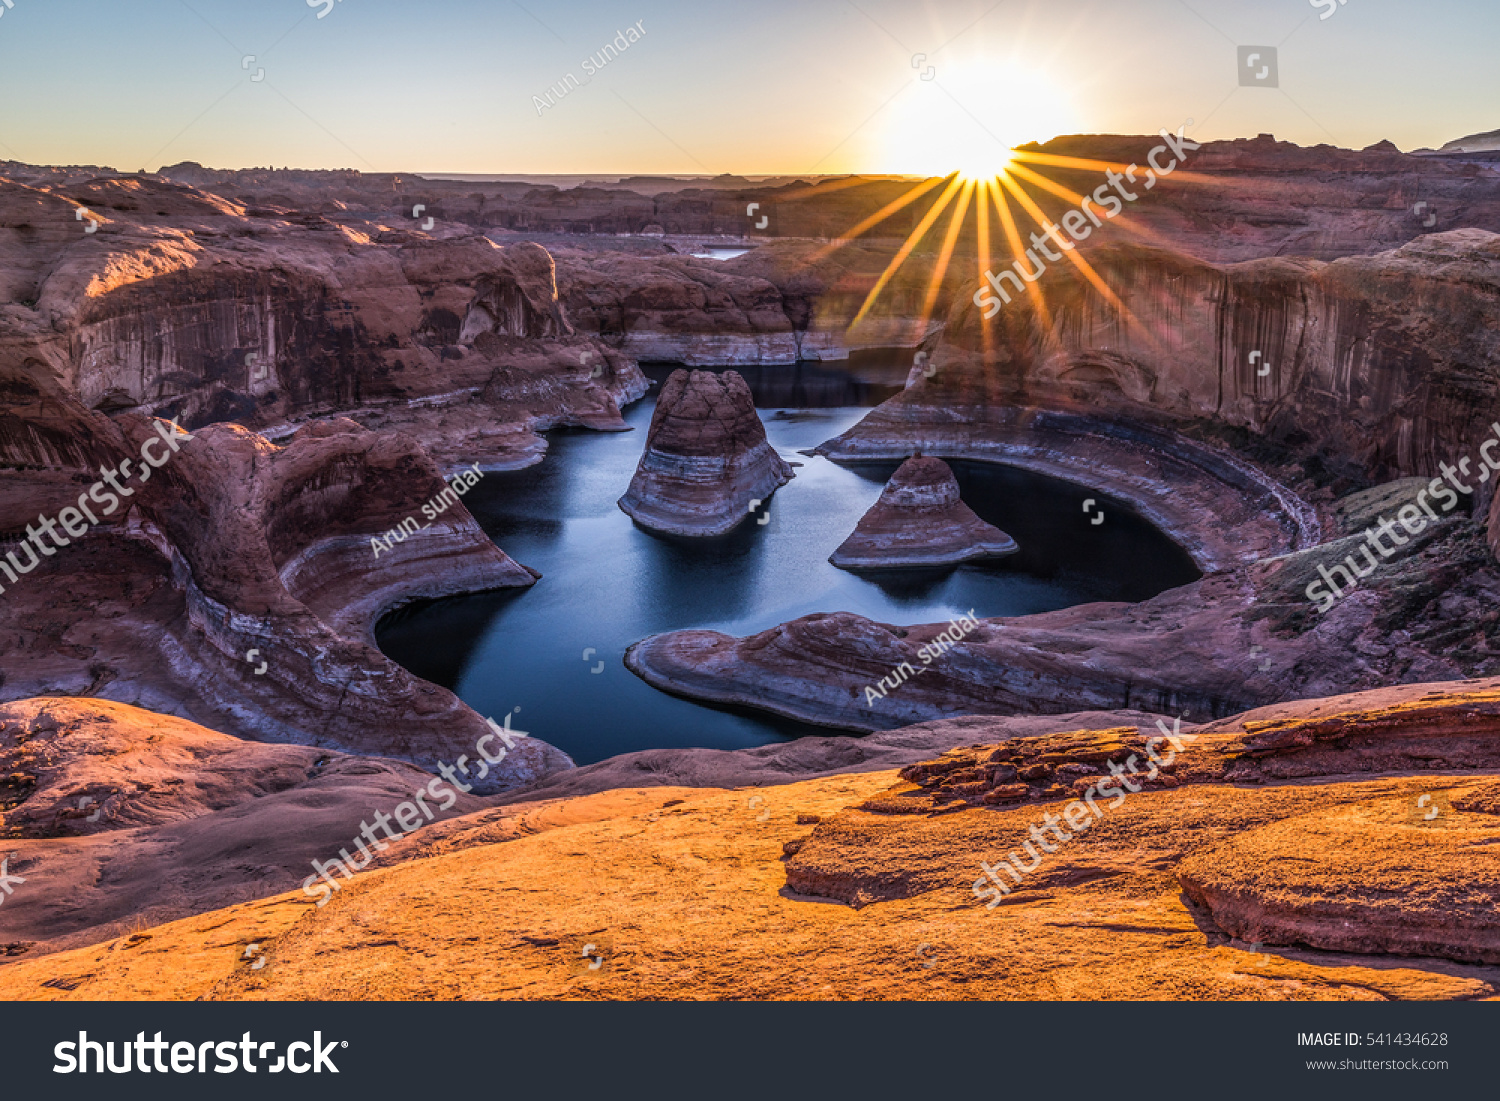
column 706, row 458
column 1474, row 143
column 1485, row 143
column 920, row 521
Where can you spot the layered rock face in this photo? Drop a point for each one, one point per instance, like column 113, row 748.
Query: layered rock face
column 237, row 587
column 1220, row 507
column 793, row 297
column 676, row 309
column 443, row 350
column 787, row 300
column 920, row 521
column 1232, row 201
column 706, row 458
column 1328, row 373
column 200, row 309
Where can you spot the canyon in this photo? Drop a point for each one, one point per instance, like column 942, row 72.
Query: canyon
column 195, row 704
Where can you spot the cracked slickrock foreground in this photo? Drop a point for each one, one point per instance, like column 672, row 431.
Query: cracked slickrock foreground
column 1316, row 850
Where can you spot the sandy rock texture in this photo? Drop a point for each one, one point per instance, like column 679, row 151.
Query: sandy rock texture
column 706, row 458
column 117, row 818
column 823, row 889
column 206, row 309
column 1403, row 866
column 1383, row 881
column 805, row 758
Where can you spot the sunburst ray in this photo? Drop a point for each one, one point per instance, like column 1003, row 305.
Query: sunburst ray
column 940, row 268
column 982, row 222
column 1070, row 251
column 1018, row 250
column 906, row 249
column 897, row 204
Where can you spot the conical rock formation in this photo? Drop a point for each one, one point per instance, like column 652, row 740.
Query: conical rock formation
column 706, row 458
column 920, row 521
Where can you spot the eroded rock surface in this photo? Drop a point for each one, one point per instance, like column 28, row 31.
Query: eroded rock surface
column 1372, row 877
column 719, row 893
column 286, row 302
column 210, row 615
column 331, row 371
column 117, row 818
column 1398, row 866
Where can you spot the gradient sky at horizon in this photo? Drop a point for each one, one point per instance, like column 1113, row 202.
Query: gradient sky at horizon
column 778, row 87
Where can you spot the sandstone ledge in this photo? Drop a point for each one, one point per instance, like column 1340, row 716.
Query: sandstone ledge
column 700, row 908
column 1372, row 877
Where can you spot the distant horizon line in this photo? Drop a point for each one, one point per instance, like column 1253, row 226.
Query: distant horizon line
column 1446, row 149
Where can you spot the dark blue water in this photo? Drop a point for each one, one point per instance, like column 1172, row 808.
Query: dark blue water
column 606, row 583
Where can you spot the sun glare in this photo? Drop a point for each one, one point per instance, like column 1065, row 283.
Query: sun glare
column 983, row 201
column 972, row 169
column 967, row 118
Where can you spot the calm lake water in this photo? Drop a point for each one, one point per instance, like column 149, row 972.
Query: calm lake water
column 606, row 583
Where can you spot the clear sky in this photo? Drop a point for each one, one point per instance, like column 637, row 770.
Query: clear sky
column 759, row 87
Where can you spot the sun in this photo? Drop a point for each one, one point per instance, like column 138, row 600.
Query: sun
column 974, row 167
column 967, row 118
column 968, row 132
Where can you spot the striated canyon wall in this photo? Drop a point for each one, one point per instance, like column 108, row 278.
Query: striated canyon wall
column 239, row 586
column 1349, row 373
